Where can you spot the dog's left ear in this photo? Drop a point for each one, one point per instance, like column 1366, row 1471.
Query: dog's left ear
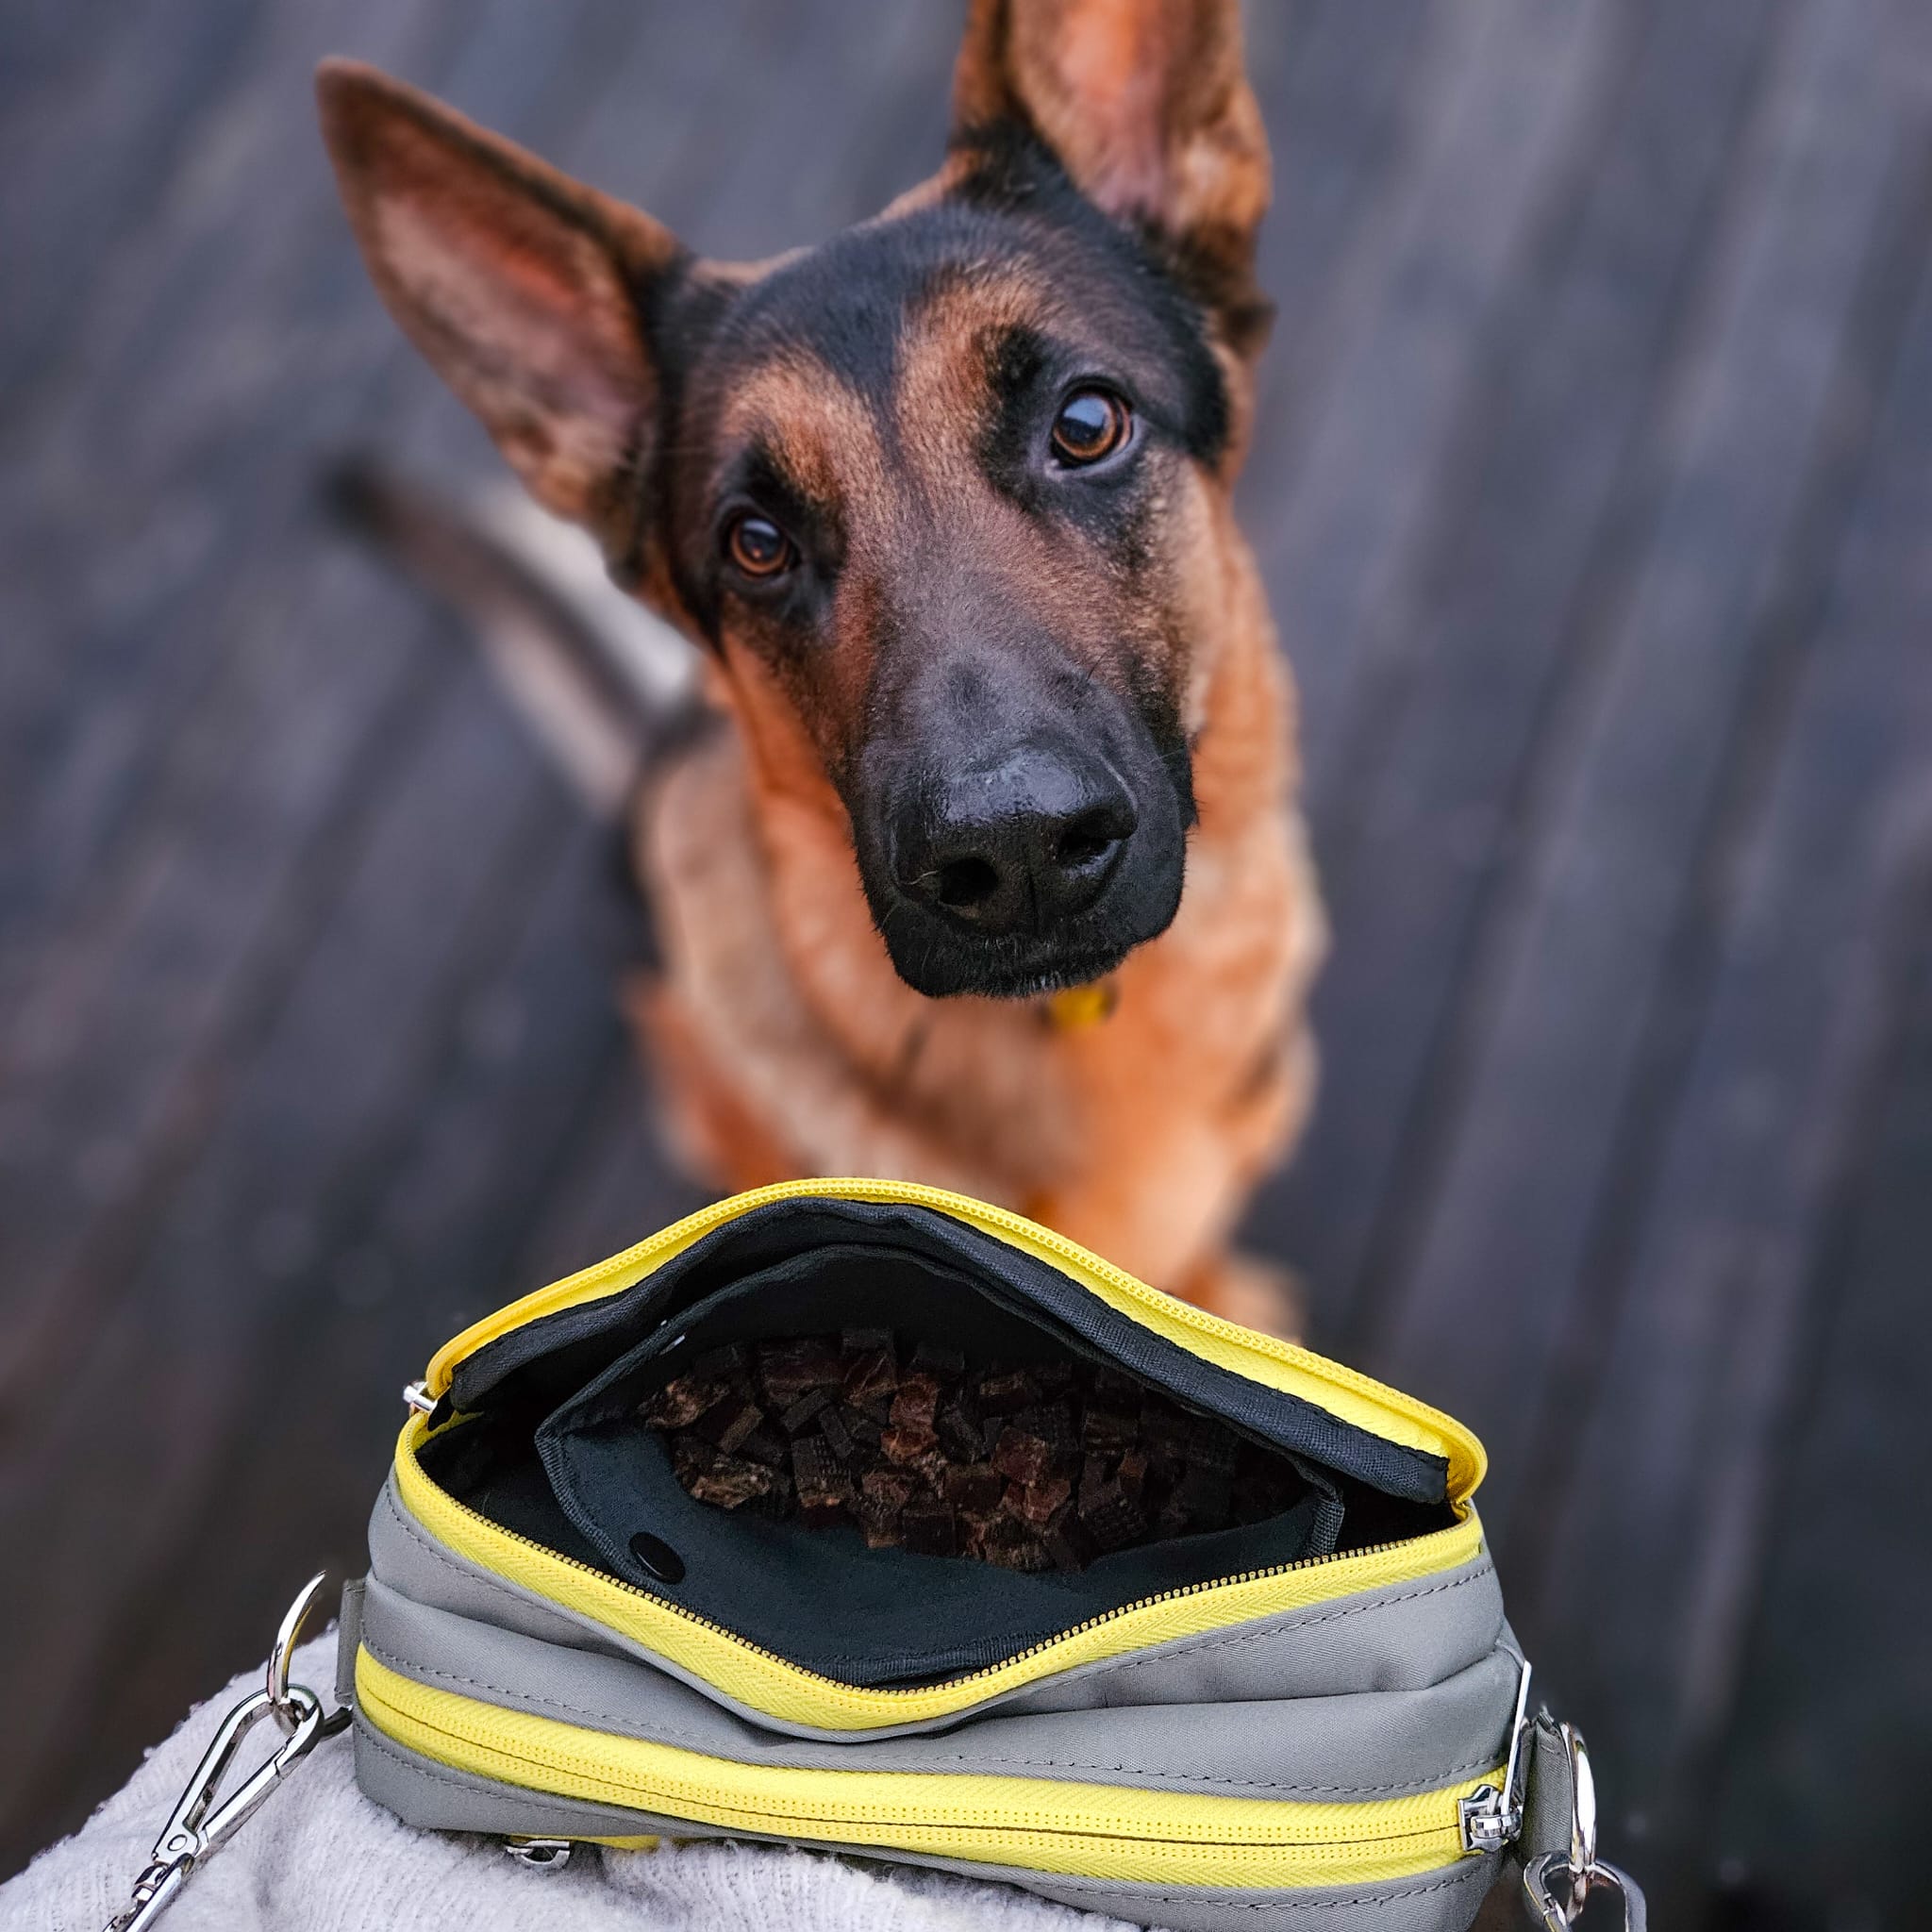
column 523, row 287
column 1147, row 106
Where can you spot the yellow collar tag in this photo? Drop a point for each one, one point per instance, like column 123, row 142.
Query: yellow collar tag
column 1074, row 1008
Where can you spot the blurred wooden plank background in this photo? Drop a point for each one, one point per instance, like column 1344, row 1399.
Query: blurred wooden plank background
column 1593, row 484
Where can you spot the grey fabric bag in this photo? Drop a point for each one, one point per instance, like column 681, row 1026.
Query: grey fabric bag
column 1321, row 1719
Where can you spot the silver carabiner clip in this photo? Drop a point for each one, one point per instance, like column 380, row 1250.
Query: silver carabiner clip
column 1560, row 1883
column 198, row 1822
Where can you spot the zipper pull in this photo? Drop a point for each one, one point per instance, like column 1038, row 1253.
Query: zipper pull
column 1491, row 1819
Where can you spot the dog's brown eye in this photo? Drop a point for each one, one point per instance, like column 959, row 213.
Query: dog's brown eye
column 1091, row 423
column 758, row 547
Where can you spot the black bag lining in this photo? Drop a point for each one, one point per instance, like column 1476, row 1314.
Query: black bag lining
column 552, row 1447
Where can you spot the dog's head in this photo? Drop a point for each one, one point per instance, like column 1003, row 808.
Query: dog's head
column 947, row 495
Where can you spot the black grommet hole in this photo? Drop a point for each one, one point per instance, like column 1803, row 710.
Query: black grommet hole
column 658, row 1558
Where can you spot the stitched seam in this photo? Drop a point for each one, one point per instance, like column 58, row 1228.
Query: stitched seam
column 1100, row 1888
column 1200, row 1646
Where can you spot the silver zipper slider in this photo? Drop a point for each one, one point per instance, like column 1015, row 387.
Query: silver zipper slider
column 1491, row 1819
column 418, row 1398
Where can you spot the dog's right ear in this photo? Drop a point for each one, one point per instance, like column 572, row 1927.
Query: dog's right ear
column 521, row 287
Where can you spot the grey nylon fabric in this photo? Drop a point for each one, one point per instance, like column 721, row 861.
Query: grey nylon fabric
column 1404, row 1636
column 1368, row 1745
column 434, row 1798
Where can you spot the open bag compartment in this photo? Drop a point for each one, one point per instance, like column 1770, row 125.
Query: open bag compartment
column 541, row 1434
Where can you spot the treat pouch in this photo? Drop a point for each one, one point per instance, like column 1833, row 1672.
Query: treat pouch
column 1318, row 1717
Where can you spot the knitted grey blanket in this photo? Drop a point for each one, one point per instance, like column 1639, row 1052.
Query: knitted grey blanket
column 320, row 1857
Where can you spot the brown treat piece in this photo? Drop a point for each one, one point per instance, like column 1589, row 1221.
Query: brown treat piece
column 788, row 1370
column 909, row 1442
column 893, row 1486
column 1055, row 1377
column 838, row 1436
column 728, row 1424
column 689, row 1453
column 799, row 1416
column 1108, row 1430
column 1036, row 1503
column 864, row 1429
column 1012, row 1546
column 1096, row 1474
column 730, row 1482
column 959, row 1437
column 916, row 1402
column 764, row 1445
column 825, row 1491
column 942, row 1363
column 1052, row 1424
column 1132, row 1475
column 680, row 1401
column 883, row 1495
column 1066, row 1541
column 927, row 1526
column 974, row 1488
column 1001, row 1392
column 1019, row 1456
column 730, row 1364
column 1110, row 1520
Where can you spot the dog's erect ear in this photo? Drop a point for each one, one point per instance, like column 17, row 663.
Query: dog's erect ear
column 1147, row 106
column 521, row 285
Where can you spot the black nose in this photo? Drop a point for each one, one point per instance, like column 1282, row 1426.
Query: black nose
column 1018, row 848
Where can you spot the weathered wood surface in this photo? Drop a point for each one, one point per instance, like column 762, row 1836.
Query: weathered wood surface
column 1593, row 484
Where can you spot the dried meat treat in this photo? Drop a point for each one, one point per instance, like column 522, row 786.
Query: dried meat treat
column 974, row 1488
column 1019, row 1456
column 729, row 1422
column 825, row 1491
column 927, row 1526
column 1012, row 1546
column 788, row 1370
column 1004, row 1390
column 731, row 1482
column 909, row 1442
column 679, row 1403
column 1052, row 1424
column 801, row 1414
column 837, row 1436
column 1036, row 1503
column 1109, row 1430
column 1111, row 1519
column 916, row 1402
column 1032, row 1466
column 959, row 1436
column 882, row 1496
column 730, row 1364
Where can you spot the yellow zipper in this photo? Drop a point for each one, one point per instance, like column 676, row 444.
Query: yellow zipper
column 1342, row 1391
column 1100, row 1831
column 761, row 1680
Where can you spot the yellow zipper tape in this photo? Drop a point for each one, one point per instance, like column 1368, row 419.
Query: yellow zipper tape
column 761, row 1681
column 1343, row 1393
column 1089, row 1830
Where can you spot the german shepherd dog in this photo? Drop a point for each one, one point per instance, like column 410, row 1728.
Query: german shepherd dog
column 989, row 873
